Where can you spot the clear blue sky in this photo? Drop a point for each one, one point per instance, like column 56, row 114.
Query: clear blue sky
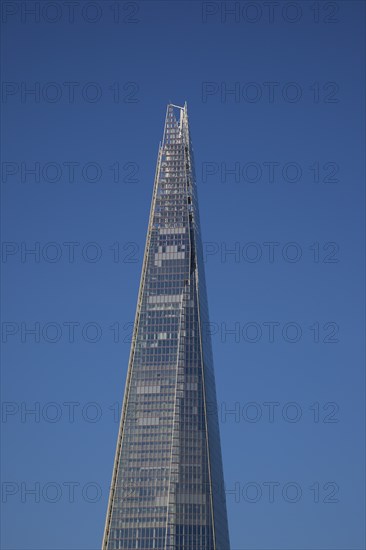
column 294, row 210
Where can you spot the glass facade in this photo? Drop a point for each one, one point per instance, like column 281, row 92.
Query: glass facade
column 167, row 487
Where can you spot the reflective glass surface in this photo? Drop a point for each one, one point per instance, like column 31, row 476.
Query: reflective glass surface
column 167, row 488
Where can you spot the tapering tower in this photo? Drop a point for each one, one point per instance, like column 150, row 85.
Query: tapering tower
column 167, row 488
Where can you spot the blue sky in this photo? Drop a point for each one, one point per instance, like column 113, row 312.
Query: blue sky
column 276, row 106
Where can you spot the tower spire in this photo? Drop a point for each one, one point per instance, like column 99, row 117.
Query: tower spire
column 167, row 488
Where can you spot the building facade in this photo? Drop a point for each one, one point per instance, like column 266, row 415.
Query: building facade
column 167, row 488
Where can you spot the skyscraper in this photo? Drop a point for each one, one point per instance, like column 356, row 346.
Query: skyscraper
column 167, row 487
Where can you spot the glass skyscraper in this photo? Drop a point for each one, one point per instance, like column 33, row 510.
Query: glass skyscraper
column 167, row 488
